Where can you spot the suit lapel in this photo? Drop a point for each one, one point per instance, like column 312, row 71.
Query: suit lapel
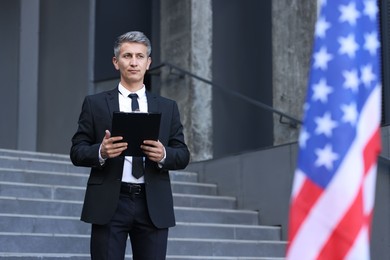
column 112, row 101
column 152, row 108
column 152, row 102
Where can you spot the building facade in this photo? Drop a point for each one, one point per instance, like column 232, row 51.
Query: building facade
column 235, row 59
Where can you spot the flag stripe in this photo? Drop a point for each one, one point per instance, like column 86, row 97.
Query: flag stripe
column 320, row 219
column 360, row 249
column 355, row 218
column 343, row 237
column 370, row 157
column 302, row 204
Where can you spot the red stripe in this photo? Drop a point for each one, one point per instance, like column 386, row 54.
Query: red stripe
column 344, row 235
column 371, row 151
column 369, row 221
column 301, row 206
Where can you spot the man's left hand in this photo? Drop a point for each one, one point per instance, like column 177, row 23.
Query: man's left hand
column 154, row 150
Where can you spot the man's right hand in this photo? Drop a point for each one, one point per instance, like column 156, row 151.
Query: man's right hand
column 109, row 148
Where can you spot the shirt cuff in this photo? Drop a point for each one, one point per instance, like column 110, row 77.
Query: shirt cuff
column 161, row 163
column 101, row 160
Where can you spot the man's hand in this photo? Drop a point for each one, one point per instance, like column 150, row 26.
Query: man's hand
column 154, row 150
column 109, row 149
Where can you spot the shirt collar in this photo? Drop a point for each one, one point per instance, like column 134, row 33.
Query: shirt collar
column 125, row 92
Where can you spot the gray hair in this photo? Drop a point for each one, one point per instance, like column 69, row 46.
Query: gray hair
column 133, row 36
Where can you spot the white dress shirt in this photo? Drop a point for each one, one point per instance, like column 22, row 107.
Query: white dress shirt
column 125, row 106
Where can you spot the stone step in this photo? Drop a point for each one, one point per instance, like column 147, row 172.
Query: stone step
column 225, row 231
column 37, row 155
column 79, row 244
column 76, row 193
column 204, row 201
column 24, row 223
column 40, row 164
column 69, row 178
column 61, row 165
column 41, row 199
column 59, row 256
column 43, row 177
column 42, row 191
column 73, row 209
column 216, row 216
column 180, row 200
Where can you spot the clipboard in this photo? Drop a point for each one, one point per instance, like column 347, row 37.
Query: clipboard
column 135, row 127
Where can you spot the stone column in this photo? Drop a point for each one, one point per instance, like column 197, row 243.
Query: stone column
column 292, row 39
column 28, row 75
column 186, row 41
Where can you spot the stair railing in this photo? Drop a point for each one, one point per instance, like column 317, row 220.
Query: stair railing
column 292, row 122
column 384, row 160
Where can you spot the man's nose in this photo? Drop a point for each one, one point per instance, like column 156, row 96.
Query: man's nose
column 133, row 61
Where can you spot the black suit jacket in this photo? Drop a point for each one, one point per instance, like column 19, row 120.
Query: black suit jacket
column 103, row 188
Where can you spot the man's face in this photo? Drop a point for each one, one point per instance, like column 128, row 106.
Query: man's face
column 132, row 62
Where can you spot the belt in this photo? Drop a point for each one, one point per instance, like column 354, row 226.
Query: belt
column 132, row 188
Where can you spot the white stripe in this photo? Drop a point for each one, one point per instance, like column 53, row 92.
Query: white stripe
column 340, row 193
column 360, row 249
column 369, row 190
column 299, row 178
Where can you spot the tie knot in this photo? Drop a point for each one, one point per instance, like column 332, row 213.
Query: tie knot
column 133, row 95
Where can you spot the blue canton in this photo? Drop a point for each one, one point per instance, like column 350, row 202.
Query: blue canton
column 345, row 69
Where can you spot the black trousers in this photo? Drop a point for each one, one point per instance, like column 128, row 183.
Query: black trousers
column 108, row 242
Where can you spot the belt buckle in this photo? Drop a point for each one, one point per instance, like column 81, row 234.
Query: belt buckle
column 135, row 189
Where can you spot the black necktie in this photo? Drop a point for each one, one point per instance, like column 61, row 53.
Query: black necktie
column 138, row 167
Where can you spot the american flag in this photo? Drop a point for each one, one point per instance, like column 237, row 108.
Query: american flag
column 334, row 184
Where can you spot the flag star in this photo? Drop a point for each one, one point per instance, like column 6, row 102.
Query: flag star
column 325, row 157
column 321, row 91
column 321, row 27
column 303, row 137
column 348, row 45
column 367, row 75
column 323, row 2
column 371, row 43
column 349, row 13
column 322, row 58
column 351, row 80
column 325, row 125
column 370, row 9
column 350, row 113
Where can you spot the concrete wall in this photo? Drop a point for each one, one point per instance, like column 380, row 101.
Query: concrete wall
column 256, row 180
column 47, row 65
column 63, row 71
column 186, row 41
column 9, row 60
column 73, row 48
column 292, row 38
column 44, row 72
column 242, row 62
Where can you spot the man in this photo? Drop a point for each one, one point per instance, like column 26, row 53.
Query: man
column 117, row 203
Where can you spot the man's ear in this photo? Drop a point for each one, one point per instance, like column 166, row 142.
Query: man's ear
column 115, row 62
column 149, row 62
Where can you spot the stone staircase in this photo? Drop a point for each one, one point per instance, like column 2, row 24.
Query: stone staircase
column 41, row 198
